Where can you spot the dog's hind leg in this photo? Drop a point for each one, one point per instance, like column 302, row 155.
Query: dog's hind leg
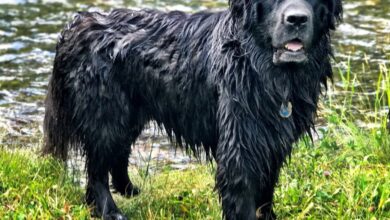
column 120, row 177
column 105, row 132
column 99, row 158
column 119, row 172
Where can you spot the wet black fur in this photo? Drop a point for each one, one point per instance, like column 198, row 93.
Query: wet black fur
column 207, row 78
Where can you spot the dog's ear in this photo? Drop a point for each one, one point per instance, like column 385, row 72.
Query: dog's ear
column 237, row 7
column 335, row 15
column 241, row 10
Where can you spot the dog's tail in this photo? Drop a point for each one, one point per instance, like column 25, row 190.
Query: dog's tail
column 55, row 126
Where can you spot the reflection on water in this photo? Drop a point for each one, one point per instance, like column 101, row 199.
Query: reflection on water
column 364, row 35
column 29, row 30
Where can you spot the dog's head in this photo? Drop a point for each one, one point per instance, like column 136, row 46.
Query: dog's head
column 290, row 27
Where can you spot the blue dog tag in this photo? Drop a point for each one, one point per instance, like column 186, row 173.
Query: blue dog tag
column 285, row 110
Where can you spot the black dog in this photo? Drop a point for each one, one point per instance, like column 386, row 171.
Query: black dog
column 243, row 83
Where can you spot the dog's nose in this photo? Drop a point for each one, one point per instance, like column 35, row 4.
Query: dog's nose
column 295, row 17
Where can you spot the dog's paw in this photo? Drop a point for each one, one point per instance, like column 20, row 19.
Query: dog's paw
column 134, row 191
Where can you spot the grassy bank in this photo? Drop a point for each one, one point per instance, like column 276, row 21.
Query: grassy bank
column 344, row 174
column 37, row 188
column 341, row 177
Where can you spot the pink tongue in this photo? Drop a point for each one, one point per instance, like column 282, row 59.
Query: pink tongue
column 294, row 45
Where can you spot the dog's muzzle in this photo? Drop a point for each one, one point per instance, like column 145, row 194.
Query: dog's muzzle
column 293, row 32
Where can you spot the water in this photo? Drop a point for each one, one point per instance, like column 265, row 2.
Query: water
column 29, row 30
column 364, row 37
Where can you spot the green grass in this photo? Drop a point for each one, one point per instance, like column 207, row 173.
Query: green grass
column 340, row 177
column 344, row 174
column 37, row 188
column 175, row 195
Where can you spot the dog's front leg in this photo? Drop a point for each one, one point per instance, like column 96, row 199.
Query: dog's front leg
column 246, row 173
column 235, row 179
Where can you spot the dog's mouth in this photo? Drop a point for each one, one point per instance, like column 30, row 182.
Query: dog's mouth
column 292, row 51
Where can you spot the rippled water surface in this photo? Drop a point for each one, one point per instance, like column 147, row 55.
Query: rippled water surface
column 29, row 30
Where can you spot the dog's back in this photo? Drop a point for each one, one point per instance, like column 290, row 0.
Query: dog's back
column 143, row 64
